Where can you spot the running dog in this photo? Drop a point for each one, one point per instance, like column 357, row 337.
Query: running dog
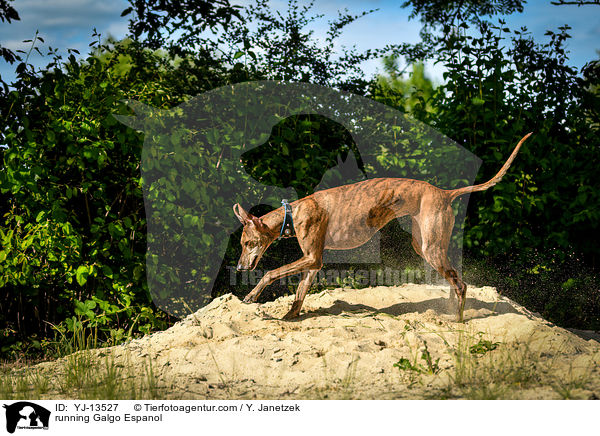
column 348, row 216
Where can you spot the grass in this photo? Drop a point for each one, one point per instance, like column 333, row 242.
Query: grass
column 81, row 371
column 575, row 379
column 430, row 366
column 224, row 383
column 482, row 369
column 486, row 370
column 334, row 387
column 83, row 377
column 349, row 379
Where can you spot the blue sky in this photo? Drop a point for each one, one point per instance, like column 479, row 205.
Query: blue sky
column 69, row 23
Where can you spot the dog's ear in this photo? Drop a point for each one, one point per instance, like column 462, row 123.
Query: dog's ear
column 258, row 222
column 241, row 214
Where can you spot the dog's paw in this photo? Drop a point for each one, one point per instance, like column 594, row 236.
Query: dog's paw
column 249, row 299
column 290, row 315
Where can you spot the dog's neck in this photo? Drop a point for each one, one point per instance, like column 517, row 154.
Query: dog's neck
column 274, row 220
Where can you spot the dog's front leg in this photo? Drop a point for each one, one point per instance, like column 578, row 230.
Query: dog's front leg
column 303, row 287
column 303, row 264
column 253, row 295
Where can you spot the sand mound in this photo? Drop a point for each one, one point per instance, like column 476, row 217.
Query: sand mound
column 346, row 342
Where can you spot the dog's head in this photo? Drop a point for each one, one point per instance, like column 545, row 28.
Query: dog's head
column 255, row 240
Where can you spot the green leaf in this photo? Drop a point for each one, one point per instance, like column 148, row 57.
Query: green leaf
column 137, row 272
column 497, row 204
column 82, row 274
column 107, row 271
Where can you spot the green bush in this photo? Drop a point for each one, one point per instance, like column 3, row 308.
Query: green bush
column 73, row 225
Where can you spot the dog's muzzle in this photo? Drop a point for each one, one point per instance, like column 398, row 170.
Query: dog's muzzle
column 241, row 267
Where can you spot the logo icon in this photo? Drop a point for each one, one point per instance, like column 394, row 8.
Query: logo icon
column 26, row 415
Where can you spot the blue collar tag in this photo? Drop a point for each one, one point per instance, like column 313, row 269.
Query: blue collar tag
column 287, row 228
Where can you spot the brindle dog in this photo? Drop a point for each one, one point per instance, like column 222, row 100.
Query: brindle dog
column 348, row 216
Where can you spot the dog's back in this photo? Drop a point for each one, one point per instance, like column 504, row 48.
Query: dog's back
column 357, row 211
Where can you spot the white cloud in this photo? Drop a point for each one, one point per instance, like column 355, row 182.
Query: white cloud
column 62, row 24
column 117, row 29
column 16, row 44
column 62, row 19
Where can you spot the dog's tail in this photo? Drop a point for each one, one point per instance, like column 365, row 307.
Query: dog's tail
column 468, row 189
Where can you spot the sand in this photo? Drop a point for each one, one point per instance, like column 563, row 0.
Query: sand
column 346, row 342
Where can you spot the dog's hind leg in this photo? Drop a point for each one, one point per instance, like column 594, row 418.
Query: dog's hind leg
column 303, row 287
column 416, row 237
column 435, row 240
column 417, row 243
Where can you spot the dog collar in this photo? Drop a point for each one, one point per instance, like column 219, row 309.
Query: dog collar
column 287, row 228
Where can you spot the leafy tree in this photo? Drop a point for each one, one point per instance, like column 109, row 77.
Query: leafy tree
column 156, row 22
column 73, row 230
column 499, row 85
column 301, row 149
column 73, row 236
column 8, row 13
column 412, row 94
column 492, row 96
column 283, row 46
column 440, row 12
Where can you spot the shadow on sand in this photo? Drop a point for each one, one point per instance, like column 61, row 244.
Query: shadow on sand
column 442, row 306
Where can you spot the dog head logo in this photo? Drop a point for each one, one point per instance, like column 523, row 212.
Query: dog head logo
column 193, row 172
column 26, row 415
